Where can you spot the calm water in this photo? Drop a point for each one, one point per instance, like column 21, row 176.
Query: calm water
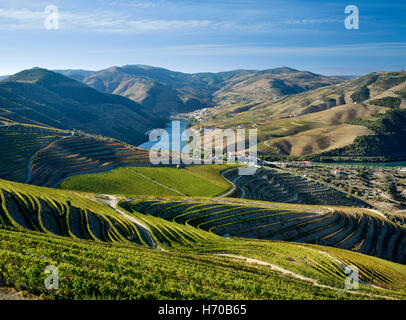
column 173, row 137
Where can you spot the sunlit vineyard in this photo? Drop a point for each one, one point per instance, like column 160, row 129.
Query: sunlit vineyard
column 358, row 230
column 62, row 213
column 18, row 144
column 102, row 254
column 78, row 155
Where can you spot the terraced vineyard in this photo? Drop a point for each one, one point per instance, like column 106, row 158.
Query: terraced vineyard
column 63, row 213
column 101, row 253
column 358, row 230
column 118, row 227
column 78, row 155
column 18, row 144
column 281, row 186
column 89, row 270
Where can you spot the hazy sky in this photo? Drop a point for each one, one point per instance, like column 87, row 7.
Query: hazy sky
column 208, row 35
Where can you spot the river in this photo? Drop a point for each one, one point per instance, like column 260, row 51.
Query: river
column 174, row 136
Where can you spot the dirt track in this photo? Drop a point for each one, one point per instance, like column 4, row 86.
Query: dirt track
column 300, row 277
column 12, row 294
column 112, row 201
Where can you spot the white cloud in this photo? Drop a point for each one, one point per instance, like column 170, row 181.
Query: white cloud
column 96, row 21
column 161, row 25
column 140, row 4
column 312, row 21
column 123, row 19
column 363, row 49
column 116, row 21
column 21, row 14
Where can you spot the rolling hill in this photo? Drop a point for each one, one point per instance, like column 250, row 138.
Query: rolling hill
column 42, row 97
column 323, row 119
column 199, row 180
column 162, row 90
column 70, row 156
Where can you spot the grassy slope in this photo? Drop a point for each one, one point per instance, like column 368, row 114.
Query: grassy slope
column 201, row 180
column 187, row 270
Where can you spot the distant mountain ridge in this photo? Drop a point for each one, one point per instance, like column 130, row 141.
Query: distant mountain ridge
column 297, row 113
column 165, row 91
column 40, row 96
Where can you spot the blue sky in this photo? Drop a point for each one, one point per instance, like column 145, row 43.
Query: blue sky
column 200, row 36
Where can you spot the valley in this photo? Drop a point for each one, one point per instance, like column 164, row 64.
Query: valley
column 78, row 189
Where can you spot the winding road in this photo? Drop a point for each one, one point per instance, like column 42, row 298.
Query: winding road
column 303, row 278
column 112, row 201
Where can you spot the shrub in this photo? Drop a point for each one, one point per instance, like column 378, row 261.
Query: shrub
column 402, row 93
column 361, row 94
column 388, row 102
column 389, row 82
